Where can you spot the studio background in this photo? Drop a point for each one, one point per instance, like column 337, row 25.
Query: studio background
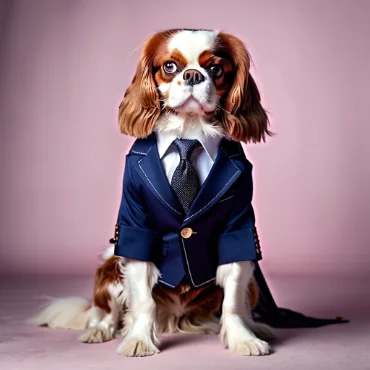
column 64, row 68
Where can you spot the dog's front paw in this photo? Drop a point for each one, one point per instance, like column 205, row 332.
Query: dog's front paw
column 240, row 340
column 137, row 347
column 250, row 347
column 96, row 335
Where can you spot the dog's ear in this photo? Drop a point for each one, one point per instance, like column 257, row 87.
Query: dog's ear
column 242, row 116
column 140, row 106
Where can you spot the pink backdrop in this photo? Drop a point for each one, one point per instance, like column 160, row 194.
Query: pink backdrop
column 64, row 68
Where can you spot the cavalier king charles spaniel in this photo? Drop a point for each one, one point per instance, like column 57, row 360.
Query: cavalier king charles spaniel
column 192, row 84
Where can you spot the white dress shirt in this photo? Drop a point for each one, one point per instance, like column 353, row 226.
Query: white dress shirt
column 202, row 158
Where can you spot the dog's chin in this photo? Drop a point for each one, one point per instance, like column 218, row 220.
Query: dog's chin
column 192, row 108
column 190, row 120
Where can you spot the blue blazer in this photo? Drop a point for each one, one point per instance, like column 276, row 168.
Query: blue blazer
column 217, row 229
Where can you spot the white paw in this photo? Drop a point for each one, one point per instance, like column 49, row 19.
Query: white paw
column 137, row 347
column 262, row 331
column 251, row 347
column 239, row 339
column 95, row 335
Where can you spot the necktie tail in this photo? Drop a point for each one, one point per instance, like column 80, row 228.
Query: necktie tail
column 185, row 182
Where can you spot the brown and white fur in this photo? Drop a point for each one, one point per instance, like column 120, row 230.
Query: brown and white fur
column 224, row 101
column 109, row 315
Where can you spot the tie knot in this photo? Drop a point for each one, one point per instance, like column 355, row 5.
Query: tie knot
column 186, row 147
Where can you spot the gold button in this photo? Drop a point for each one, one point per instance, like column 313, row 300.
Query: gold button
column 186, row 232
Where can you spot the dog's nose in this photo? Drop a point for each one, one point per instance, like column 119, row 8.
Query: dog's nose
column 193, row 77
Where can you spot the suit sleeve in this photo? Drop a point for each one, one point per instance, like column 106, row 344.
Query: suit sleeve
column 239, row 240
column 136, row 238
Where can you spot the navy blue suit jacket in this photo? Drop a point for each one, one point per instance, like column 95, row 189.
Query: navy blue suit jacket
column 221, row 216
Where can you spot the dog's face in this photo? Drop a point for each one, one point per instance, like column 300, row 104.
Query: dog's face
column 197, row 73
column 191, row 74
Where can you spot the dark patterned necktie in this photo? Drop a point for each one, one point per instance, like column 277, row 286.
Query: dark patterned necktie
column 185, row 180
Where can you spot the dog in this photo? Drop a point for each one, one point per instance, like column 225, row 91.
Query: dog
column 175, row 268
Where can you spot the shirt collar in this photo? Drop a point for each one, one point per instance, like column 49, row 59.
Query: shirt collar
column 165, row 139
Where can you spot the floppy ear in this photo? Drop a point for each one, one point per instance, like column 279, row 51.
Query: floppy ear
column 140, row 106
column 243, row 116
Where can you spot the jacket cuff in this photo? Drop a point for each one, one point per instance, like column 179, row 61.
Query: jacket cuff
column 136, row 243
column 238, row 246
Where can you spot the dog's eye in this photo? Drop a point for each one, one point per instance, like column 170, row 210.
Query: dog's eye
column 216, row 70
column 170, row 67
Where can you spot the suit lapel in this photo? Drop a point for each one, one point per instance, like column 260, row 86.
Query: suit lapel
column 222, row 176
column 150, row 170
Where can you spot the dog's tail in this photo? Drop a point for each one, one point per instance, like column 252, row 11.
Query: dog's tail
column 66, row 313
column 69, row 312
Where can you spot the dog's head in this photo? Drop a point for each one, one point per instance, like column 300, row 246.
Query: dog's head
column 194, row 73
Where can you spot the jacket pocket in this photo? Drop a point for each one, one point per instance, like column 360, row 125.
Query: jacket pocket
column 229, row 197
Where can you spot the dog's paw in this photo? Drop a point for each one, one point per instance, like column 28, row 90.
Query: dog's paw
column 137, row 347
column 251, row 347
column 239, row 339
column 95, row 335
column 262, row 331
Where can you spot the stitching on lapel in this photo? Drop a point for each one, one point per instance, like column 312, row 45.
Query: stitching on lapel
column 229, row 158
column 188, row 218
column 155, row 187
column 187, row 262
column 238, row 171
column 134, row 151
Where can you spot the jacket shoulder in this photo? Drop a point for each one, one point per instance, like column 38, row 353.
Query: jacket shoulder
column 141, row 147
